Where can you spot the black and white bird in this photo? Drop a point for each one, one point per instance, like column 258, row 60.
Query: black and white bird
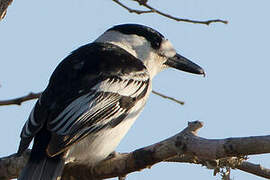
column 94, row 96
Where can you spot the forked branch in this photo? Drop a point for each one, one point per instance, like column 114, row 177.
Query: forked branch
column 185, row 146
column 151, row 9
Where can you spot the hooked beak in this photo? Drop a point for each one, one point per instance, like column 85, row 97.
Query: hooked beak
column 181, row 63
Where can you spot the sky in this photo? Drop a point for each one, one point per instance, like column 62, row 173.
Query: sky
column 232, row 100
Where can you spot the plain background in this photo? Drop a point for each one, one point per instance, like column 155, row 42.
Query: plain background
column 233, row 100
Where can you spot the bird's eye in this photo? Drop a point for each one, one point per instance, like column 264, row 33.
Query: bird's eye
column 167, row 53
column 167, row 49
column 162, row 54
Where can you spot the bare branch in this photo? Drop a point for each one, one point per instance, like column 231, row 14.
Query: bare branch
column 3, row 7
column 11, row 166
column 151, row 9
column 256, row 169
column 131, row 10
column 5, row 3
column 208, row 22
column 185, row 145
column 168, row 97
column 31, row 96
column 19, row 100
column 233, row 162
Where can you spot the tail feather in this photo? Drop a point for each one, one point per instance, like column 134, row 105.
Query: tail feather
column 40, row 166
column 44, row 168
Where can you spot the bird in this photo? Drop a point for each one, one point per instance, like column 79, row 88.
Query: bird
column 94, row 96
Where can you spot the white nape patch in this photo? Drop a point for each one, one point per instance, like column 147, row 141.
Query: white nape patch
column 141, row 48
column 126, row 42
column 167, row 48
column 136, row 45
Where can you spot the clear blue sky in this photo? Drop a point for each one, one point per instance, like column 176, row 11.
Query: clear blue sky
column 233, row 99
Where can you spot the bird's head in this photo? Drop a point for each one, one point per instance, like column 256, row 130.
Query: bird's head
column 150, row 46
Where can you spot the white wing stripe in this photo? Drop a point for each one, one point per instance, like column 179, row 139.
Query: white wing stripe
column 76, row 115
column 120, row 87
column 97, row 105
column 70, row 117
column 74, row 106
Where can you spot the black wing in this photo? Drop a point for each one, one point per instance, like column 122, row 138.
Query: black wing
column 93, row 88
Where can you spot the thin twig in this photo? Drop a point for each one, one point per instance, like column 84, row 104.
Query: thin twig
column 233, row 162
column 256, row 169
column 19, row 100
column 130, row 9
column 31, row 95
column 168, row 97
column 208, row 22
column 3, row 7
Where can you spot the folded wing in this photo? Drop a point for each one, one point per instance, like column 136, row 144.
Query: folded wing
column 87, row 92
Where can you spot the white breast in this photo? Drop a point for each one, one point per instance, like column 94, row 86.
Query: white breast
column 96, row 147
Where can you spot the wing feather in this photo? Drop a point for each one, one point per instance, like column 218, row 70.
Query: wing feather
column 96, row 117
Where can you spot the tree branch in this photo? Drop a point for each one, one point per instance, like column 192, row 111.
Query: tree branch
column 255, row 169
column 130, row 9
column 168, row 97
column 31, row 96
column 3, row 7
column 154, row 10
column 19, row 100
column 11, row 166
column 208, row 22
column 5, row 3
column 185, row 146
